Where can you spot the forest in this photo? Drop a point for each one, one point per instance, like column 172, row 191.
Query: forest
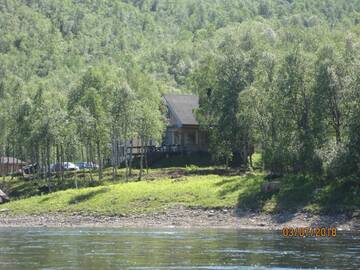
column 282, row 76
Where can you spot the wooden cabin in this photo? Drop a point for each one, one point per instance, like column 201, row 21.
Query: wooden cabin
column 182, row 134
column 10, row 165
column 183, row 128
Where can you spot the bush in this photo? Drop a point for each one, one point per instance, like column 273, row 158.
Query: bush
column 333, row 158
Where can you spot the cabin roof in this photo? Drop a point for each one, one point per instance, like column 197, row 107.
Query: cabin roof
column 183, row 107
column 11, row 160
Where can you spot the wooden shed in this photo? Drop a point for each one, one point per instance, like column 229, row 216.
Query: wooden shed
column 10, row 165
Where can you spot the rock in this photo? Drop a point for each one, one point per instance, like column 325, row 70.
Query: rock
column 3, row 197
column 270, row 187
column 44, row 189
column 356, row 214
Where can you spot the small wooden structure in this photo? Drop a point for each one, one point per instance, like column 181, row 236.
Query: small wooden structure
column 9, row 165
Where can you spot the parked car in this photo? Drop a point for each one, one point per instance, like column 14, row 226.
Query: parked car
column 65, row 166
column 31, row 169
column 70, row 166
column 56, row 167
column 87, row 165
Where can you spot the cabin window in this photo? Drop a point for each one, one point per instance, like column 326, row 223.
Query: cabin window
column 191, row 138
column 177, row 138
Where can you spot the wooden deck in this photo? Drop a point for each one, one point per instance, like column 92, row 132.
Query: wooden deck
column 166, row 149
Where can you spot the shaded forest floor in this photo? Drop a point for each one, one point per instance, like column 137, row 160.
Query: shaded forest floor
column 191, row 185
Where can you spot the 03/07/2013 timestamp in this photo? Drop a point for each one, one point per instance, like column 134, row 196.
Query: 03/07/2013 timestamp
column 308, row 232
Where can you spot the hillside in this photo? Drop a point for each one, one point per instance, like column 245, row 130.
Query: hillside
column 57, row 41
column 80, row 79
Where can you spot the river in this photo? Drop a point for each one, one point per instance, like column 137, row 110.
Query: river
column 44, row 248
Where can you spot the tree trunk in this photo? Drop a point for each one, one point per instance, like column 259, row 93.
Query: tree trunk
column 226, row 163
column 251, row 152
column 146, row 158
column 57, row 161
column 62, row 162
column 336, row 117
column 113, row 157
column 99, row 160
column 13, row 165
column 131, row 158
column 7, row 164
column 91, row 160
column 338, row 133
column 82, row 153
column 116, row 161
column 251, row 162
column 126, row 151
column 48, row 149
column 126, row 160
column 141, row 159
column 3, row 163
column 38, row 161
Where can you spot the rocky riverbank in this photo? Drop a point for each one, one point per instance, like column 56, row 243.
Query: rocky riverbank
column 183, row 217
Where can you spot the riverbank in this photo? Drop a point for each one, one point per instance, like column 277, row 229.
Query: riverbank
column 186, row 218
column 180, row 196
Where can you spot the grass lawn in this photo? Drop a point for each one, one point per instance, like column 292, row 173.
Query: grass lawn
column 199, row 191
column 191, row 184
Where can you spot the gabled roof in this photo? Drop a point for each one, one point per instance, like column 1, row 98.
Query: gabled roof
column 182, row 106
column 11, row 160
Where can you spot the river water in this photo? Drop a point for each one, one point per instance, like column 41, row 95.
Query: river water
column 42, row 248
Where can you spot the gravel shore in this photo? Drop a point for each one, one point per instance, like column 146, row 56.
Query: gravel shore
column 182, row 217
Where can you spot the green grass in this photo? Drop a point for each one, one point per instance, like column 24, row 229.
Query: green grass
column 210, row 191
column 305, row 193
column 196, row 188
column 181, row 180
column 18, row 187
column 296, row 192
column 257, row 160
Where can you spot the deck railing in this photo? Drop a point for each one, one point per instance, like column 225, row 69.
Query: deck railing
column 136, row 150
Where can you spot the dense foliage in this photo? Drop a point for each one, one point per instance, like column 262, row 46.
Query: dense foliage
column 78, row 75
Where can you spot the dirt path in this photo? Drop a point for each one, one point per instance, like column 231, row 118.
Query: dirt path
column 182, row 217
